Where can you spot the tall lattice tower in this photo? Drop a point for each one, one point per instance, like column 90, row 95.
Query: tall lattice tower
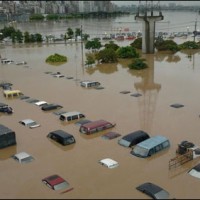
column 148, row 13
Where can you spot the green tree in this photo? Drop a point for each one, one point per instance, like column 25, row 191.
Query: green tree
column 85, row 37
column 189, row 45
column 138, row 64
column 38, row 37
column 36, row 17
column 52, row 17
column 107, row 55
column 112, row 45
column 19, row 36
column 26, row 37
column 137, row 43
column 56, row 58
column 70, row 33
column 78, row 32
column 165, row 45
column 93, row 44
column 127, row 52
column 8, row 31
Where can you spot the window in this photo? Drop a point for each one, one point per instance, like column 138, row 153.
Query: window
column 165, row 144
column 158, row 148
column 81, row 115
column 74, row 117
column 69, row 119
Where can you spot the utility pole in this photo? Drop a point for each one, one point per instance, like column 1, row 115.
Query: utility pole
column 195, row 29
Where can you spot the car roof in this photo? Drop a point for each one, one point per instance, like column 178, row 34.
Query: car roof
column 93, row 124
column 61, row 133
column 40, row 102
column 111, row 135
column 27, row 121
column 54, row 179
column 195, row 171
column 152, row 142
column 89, row 82
column 135, row 134
column 153, row 190
column 70, row 113
column 22, row 155
column 3, row 104
column 109, row 162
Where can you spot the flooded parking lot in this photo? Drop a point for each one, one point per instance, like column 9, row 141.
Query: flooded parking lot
column 169, row 79
column 146, row 105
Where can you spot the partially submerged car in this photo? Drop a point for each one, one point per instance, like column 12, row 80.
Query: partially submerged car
column 153, row 190
column 195, row 171
column 40, row 103
column 51, row 106
column 5, row 108
column 56, row 182
column 133, row 138
column 23, row 157
column 61, row 137
column 95, row 126
column 109, row 163
column 90, row 84
column 110, row 135
column 29, row 123
column 7, row 137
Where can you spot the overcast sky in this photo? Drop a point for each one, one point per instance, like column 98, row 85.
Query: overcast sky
column 120, row 3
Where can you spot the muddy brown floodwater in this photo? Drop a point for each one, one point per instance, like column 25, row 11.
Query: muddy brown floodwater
column 169, row 79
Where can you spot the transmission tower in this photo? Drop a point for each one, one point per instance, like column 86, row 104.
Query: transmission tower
column 148, row 13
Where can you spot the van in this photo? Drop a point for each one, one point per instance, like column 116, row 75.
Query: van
column 7, row 137
column 150, row 146
column 70, row 116
column 61, row 137
column 90, row 84
column 12, row 93
column 133, row 138
column 95, row 126
column 6, row 61
column 5, row 108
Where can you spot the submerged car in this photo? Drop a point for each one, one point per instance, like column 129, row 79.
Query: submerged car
column 55, row 182
column 133, row 138
column 195, row 171
column 5, row 108
column 23, row 157
column 110, row 135
column 51, row 106
column 153, row 190
column 109, row 163
column 29, row 123
column 62, row 137
column 41, row 103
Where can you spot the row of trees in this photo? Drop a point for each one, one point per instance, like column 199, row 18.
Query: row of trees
column 111, row 52
column 18, row 36
column 76, row 15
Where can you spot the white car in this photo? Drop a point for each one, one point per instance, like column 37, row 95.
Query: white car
column 108, row 162
column 195, row 171
column 29, row 123
column 40, row 103
column 23, row 157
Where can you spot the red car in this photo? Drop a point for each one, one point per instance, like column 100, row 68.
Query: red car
column 56, row 182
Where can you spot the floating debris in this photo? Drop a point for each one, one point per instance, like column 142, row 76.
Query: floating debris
column 177, row 105
column 125, row 92
column 136, row 95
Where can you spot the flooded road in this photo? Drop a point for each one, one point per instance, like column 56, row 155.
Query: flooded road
column 169, row 79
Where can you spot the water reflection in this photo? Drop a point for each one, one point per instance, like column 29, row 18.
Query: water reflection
column 167, row 56
column 103, row 68
column 8, row 152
